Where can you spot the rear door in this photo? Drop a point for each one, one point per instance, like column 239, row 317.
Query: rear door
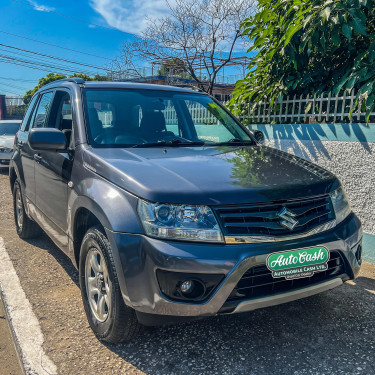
column 36, row 114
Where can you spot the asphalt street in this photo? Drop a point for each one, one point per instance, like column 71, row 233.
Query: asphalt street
column 331, row 333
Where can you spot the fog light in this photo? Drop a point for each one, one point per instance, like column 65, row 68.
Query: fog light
column 187, row 286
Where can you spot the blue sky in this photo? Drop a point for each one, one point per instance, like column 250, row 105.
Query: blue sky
column 96, row 27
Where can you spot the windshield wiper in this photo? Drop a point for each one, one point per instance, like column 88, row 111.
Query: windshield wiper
column 171, row 143
column 235, row 141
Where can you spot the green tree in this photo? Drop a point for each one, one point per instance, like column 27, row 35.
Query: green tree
column 51, row 77
column 308, row 47
column 174, row 67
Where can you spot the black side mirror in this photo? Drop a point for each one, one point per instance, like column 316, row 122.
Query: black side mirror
column 259, row 136
column 47, row 139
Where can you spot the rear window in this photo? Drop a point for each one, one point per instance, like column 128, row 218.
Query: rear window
column 9, row 128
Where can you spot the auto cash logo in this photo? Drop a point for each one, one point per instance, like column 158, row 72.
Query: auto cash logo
column 296, row 264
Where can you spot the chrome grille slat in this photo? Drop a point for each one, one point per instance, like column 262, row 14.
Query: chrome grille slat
column 262, row 219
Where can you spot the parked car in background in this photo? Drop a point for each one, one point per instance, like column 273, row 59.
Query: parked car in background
column 171, row 209
column 8, row 130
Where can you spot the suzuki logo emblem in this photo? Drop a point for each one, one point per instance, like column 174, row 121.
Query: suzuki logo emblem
column 287, row 217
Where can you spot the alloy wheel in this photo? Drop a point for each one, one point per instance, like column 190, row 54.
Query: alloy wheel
column 98, row 286
column 19, row 209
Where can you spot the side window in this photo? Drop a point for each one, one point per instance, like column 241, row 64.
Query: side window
column 27, row 118
column 205, row 121
column 106, row 113
column 41, row 114
column 61, row 116
column 171, row 119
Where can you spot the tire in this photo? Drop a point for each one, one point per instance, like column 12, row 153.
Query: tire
column 26, row 228
column 110, row 319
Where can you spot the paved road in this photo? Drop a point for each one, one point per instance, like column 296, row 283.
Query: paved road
column 332, row 333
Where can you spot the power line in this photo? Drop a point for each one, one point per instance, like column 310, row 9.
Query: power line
column 54, row 45
column 30, row 67
column 54, row 57
column 73, row 18
column 26, row 63
column 12, row 86
column 10, row 91
column 19, row 79
column 46, row 65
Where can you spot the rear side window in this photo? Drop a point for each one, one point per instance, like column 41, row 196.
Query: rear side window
column 26, row 120
column 41, row 114
column 106, row 113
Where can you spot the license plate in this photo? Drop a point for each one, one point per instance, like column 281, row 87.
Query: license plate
column 296, row 264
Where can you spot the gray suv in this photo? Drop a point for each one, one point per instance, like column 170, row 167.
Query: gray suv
column 173, row 210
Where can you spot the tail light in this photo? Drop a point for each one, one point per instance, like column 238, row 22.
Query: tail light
column 14, row 143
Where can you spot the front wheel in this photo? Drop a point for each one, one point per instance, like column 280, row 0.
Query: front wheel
column 110, row 319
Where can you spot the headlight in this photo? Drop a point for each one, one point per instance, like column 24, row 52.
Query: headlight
column 179, row 222
column 340, row 204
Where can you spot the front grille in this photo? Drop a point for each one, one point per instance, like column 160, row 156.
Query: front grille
column 263, row 219
column 258, row 281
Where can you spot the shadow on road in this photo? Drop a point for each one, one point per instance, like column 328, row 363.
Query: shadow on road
column 328, row 333
column 275, row 340
column 45, row 243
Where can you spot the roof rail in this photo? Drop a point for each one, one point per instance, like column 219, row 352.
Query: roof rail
column 77, row 80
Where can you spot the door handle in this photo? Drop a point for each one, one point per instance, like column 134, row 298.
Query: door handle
column 37, row 157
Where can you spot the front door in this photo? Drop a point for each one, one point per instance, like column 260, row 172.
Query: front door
column 53, row 171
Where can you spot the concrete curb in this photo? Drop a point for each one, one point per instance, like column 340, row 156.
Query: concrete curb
column 24, row 325
column 14, row 337
column 369, row 248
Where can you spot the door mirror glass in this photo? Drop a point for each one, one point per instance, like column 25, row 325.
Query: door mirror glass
column 47, row 139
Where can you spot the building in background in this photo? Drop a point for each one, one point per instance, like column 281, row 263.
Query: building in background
column 11, row 107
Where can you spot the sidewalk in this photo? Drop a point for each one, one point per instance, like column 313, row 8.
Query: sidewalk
column 9, row 364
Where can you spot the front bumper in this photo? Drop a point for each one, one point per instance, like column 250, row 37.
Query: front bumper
column 140, row 257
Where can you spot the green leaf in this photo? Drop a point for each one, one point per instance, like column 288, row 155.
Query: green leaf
column 291, row 31
column 358, row 26
column 335, row 19
column 336, row 36
column 306, row 20
column 323, row 41
column 325, row 13
column 347, row 31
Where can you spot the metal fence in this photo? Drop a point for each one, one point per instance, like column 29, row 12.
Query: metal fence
column 310, row 109
column 199, row 113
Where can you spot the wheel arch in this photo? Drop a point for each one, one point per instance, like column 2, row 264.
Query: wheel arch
column 85, row 215
column 13, row 175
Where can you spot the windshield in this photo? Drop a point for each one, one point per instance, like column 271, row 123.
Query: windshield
column 151, row 118
column 9, row 128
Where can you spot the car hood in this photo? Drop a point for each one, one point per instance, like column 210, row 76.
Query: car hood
column 210, row 175
column 7, row 141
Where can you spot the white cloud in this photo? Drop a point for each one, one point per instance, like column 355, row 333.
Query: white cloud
column 41, row 8
column 129, row 16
